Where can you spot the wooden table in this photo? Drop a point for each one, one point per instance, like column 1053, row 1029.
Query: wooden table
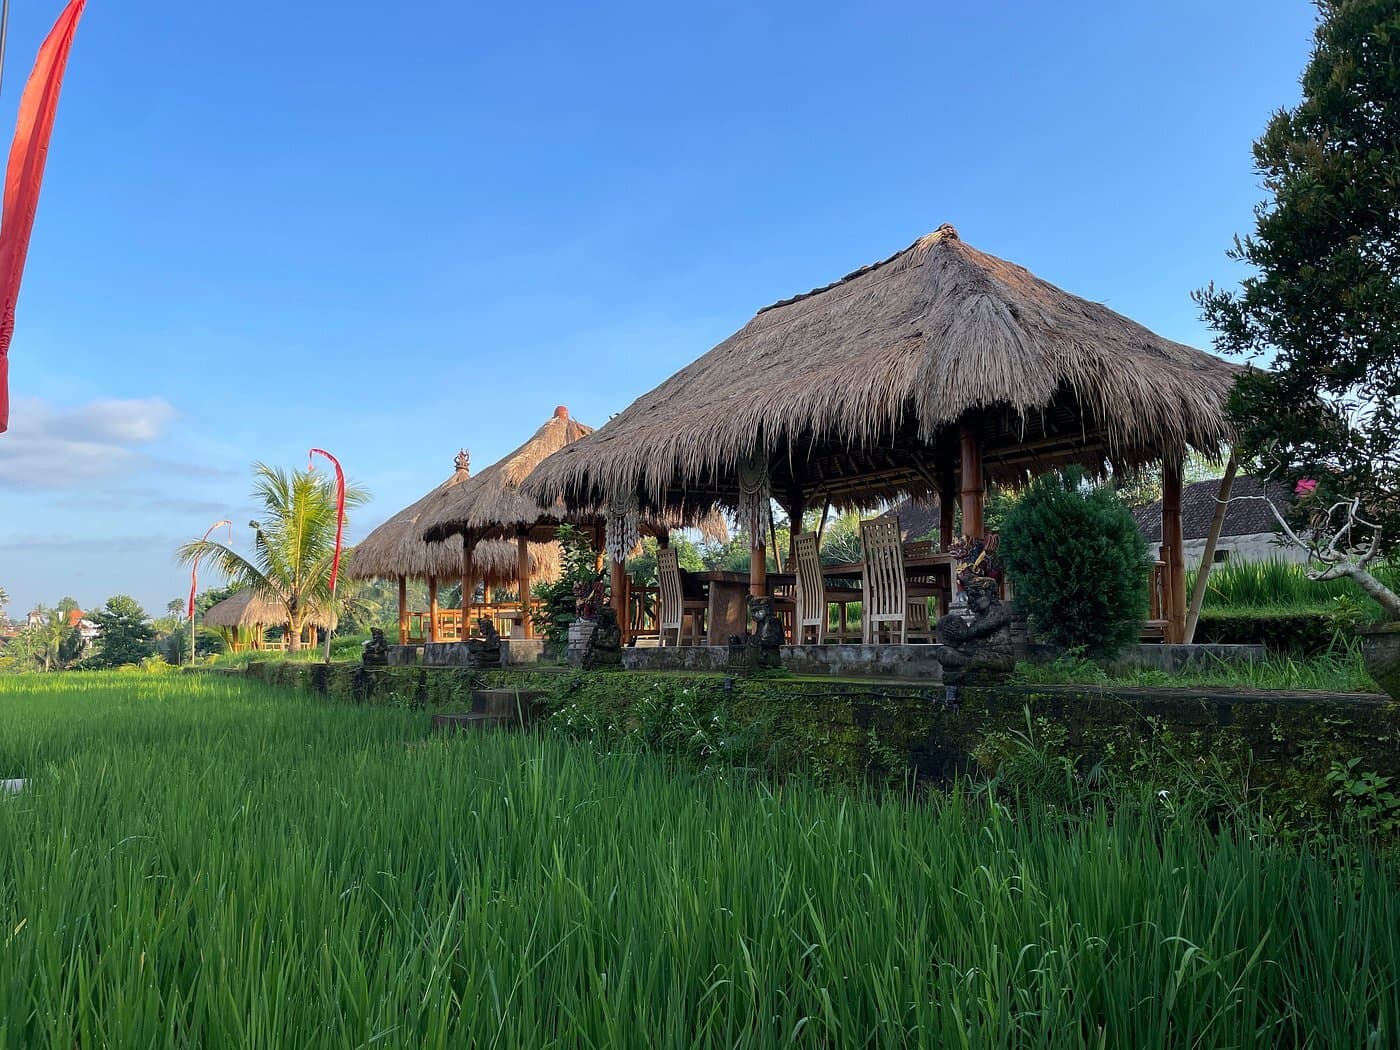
column 728, row 613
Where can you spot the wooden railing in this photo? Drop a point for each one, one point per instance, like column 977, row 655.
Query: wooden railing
column 1156, row 625
column 506, row 616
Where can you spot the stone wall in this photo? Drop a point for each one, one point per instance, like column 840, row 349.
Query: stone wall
column 894, row 733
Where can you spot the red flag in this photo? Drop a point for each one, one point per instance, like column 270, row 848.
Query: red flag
column 24, row 175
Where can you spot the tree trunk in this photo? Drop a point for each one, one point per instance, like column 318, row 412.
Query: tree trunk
column 295, row 625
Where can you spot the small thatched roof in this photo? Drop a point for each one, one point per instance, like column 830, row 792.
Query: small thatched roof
column 870, row 377
column 492, row 503
column 397, row 548
column 246, row 609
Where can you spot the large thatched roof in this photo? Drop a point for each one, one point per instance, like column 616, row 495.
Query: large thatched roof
column 397, row 548
column 492, row 503
column 246, row 609
column 854, row 392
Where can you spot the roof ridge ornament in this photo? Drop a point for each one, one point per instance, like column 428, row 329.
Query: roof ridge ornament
column 463, row 462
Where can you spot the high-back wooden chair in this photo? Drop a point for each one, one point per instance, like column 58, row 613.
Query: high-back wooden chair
column 814, row 597
column 676, row 612
column 885, row 594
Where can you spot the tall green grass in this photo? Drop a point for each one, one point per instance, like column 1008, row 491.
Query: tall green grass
column 1276, row 584
column 206, row 863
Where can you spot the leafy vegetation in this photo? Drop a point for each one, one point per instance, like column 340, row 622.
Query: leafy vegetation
column 292, row 546
column 1338, row 671
column 1322, row 303
column 578, row 571
column 127, row 635
column 1079, row 562
column 202, row 855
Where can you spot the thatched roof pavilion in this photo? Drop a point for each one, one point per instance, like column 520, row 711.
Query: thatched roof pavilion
column 248, row 611
column 397, row 550
column 939, row 367
column 493, row 506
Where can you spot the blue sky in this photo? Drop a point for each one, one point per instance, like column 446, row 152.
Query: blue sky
column 396, row 231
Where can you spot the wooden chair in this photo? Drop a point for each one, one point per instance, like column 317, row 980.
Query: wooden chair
column 677, row 612
column 814, row 597
column 884, row 593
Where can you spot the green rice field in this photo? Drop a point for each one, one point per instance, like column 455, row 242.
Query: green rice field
column 202, row 862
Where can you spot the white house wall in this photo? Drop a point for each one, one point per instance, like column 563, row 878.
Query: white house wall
column 1260, row 546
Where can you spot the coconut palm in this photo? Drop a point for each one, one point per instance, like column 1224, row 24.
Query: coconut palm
column 293, row 544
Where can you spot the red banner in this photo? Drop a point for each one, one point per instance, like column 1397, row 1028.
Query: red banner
column 23, row 176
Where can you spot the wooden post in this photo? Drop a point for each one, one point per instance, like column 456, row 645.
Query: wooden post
column 432, row 609
column 758, row 571
column 522, row 579
column 618, row 594
column 1172, row 543
column 797, row 506
column 973, row 488
column 468, row 587
column 403, row 610
column 947, row 503
column 1217, row 523
column 600, row 546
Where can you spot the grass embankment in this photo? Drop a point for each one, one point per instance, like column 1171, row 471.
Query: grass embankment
column 205, row 862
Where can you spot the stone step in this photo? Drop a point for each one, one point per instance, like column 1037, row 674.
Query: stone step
column 461, row 723
column 511, row 702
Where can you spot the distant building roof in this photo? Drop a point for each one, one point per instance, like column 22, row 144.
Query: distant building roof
column 917, row 517
column 1243, row 518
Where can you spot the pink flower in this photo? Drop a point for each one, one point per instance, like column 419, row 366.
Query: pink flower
column 1305, row 487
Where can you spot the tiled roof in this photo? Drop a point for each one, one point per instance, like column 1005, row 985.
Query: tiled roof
column 1243, row 517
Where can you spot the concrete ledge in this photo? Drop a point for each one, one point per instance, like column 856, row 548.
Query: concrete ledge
column 514, row 652
column 900, row 661
column 405, row 655
column 1174, row 658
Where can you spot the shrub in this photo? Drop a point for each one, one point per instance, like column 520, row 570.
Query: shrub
column 559, row 598
column 1079, row 564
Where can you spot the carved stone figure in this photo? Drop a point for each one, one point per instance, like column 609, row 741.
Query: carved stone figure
column 759, row 650
column 485, row 651
column 375, row 652
column 979, row 639
column 605, row 646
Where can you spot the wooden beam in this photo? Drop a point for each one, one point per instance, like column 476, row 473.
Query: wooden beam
column 1217, row 523
column 947, row 503
column 973, row 488
column 403, row 610
column 758, row 571
column 1173, row 545
column 432, row 609
column 522, row 581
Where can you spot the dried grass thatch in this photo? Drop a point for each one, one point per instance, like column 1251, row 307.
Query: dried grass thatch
column 491, row 504
column 854, row 392
column 247, row 609
column 397, row 548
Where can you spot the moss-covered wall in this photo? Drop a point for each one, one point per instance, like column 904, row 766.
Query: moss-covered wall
column 851, row 731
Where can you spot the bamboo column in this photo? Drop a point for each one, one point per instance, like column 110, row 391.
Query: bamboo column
column 618, row 594
column 973, row 487
column 403, row 610
column 432, row 609
column 522, row 579
column 1174, row 548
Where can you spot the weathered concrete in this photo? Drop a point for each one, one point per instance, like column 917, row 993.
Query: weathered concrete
column 677, row 658
column 1175, row 658
column 515, row 651
column 901, row 661
column 405, row 655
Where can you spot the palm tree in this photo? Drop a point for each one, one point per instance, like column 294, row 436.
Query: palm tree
column 4, row 603
column 292, row 545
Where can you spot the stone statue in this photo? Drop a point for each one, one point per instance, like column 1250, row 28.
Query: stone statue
column 979, row 638
column 375, row 652
column 759, row 650
column 485, row 651
column 605, row 645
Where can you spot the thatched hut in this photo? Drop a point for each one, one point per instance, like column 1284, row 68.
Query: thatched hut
column 492, row 506
column 396, row 550
column 247, row 616
column 932, row 371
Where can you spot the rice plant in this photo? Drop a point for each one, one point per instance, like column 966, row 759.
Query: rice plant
column 1276, row 584
column 197, row 861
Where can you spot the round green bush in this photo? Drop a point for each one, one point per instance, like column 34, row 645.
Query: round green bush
column 1078, row 563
